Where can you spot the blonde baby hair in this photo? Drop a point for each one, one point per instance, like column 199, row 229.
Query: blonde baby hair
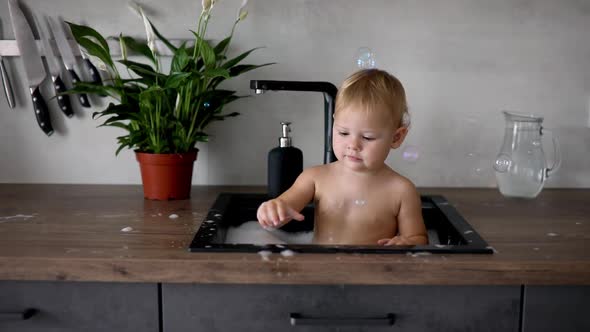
column 374, row 90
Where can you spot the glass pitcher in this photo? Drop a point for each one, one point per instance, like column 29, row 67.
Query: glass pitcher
column 521, row 167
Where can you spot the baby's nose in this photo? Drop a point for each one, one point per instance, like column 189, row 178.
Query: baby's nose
column 354, row 144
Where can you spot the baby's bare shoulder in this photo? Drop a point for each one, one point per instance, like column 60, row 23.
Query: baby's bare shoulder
column 399, row 184
column 317, row 171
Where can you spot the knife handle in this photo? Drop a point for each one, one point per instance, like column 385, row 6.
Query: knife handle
column 62, row 100
column 6, row 84
column 82, row 96
column 94, row 74
column 41, row 111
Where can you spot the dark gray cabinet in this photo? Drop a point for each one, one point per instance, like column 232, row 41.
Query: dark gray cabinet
column 556, row 308
column 213, row 308
column 78, row 306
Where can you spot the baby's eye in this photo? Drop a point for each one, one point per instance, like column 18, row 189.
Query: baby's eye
column 342, row 133
column 368, row 138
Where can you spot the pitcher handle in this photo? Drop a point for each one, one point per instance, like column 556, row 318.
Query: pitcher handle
column 556, row 153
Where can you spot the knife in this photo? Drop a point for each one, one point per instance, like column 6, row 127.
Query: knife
column 34, row 70
column 94, row 73
column 67, row 55
column 54, row 70
column 6, row 82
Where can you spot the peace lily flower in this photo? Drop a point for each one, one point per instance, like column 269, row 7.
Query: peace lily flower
column 242, row 12
column 206, row 5
column 149, row 31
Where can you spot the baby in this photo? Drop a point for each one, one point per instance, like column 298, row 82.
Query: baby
column 359, row 200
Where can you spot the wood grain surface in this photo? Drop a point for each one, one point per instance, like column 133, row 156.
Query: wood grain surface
column 76, row 232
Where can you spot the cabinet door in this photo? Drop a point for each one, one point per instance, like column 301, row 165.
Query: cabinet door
column 556, row 308
column 339, row 308
column 77, row 306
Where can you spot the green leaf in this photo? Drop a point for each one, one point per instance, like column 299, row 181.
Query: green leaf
column 206, row 51
column 139, row 47
column 141, row 69
column 216, row 72
column 240, row 69
column 222, row 45
column 176, row 79
column 96, row 50
column 162, row 38
column 236, row 60
column 80, row 31
column 180, row 59
column 90, row 88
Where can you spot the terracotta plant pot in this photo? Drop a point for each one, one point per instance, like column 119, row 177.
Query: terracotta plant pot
column 166, row 176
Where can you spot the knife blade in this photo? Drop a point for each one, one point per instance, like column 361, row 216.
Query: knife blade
column 6, row 81
column 92, row 70
column 67, row 56
column 34, row 70
column 55, row 71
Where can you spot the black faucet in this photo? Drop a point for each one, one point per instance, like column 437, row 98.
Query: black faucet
column 329, row 91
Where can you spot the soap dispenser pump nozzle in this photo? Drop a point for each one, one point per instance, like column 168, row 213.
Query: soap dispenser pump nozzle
column 285, row 139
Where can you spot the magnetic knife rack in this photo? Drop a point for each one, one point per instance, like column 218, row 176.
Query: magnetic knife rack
column 8, row 48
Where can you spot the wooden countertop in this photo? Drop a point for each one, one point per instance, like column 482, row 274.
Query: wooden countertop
column 74, row 232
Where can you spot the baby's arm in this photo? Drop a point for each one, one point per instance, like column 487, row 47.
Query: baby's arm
column 277, row 212
column 410, row 225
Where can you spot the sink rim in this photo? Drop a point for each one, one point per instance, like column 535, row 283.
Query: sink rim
column 474, row 243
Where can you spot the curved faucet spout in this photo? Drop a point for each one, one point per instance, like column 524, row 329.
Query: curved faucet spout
column 328, row 89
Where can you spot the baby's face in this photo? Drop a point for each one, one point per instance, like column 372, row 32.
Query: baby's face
column 362, row 140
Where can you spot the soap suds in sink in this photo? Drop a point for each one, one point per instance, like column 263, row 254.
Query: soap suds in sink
column 252, row 233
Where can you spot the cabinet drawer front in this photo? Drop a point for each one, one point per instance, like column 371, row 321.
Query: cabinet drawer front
column 76, row 306
column 347, row 308
column 556, row 308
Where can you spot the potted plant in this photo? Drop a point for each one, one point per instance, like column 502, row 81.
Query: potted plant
column 165, row 112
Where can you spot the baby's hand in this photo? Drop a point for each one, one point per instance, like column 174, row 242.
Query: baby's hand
column 275, row 213
column 398, row 240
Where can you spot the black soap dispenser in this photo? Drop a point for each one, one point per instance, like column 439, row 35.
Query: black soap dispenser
column 285, row 163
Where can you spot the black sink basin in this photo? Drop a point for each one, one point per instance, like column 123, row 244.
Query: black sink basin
column 233, row 213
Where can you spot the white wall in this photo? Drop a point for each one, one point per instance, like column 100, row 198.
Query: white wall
column 462, row 62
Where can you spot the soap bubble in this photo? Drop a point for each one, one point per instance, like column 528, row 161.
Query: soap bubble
column 365, row 58
column 478, row 171
column 411, row 153
column 502, row 163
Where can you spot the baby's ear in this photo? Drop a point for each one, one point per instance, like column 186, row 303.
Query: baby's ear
column 398, row 137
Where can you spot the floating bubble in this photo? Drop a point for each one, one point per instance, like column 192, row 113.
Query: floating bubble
column 411, row 153
column 502, row 163
column 365, row 58
column 478, row 171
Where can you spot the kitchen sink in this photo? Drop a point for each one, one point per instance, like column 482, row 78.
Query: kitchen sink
column 231, row 226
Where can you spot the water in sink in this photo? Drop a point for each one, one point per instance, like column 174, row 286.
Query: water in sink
column 251, row 232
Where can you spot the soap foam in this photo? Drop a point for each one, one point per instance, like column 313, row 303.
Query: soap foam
column 252, row 233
